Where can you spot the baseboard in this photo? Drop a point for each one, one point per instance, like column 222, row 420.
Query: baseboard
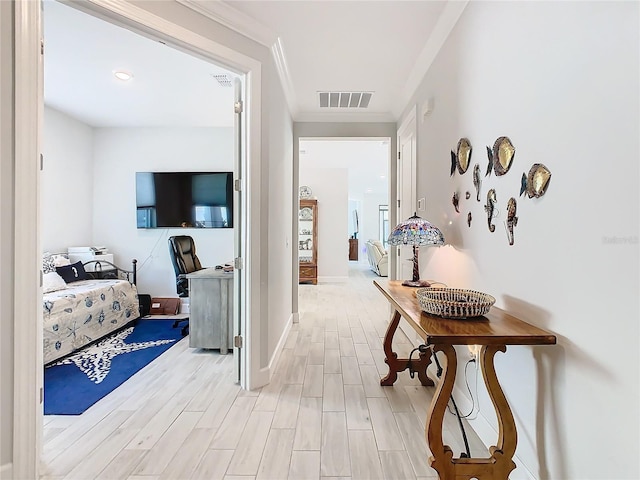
column 333, row 279
column 6, row 471
column 296, row 317
column 280, row 346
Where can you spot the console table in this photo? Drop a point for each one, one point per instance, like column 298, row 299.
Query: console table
column 493, row 333
column 211, row 309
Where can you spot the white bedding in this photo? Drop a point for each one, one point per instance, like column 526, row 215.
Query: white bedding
column 84, row 312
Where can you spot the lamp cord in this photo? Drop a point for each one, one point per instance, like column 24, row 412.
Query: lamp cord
column 424, row 348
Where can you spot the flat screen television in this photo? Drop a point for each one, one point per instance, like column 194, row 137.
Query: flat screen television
column 184, row 199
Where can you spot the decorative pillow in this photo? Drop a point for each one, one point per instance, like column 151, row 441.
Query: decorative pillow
column 72, row 273
column 48, row 265
column 52, row 282
column 60, row 260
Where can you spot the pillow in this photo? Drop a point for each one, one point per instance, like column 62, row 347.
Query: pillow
column 73, row 272
column 60, row 260
column 52, row 282
column 48, row 265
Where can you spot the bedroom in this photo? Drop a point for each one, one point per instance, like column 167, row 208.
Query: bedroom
column 93, row 150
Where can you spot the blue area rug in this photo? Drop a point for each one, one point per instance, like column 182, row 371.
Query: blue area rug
column 73, row 384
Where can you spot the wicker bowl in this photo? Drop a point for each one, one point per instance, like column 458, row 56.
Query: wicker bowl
column 454, row 302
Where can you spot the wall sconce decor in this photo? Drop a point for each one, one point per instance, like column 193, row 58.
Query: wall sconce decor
column 536, row 183
column 490, row 208
column 500, row 156
column 461, row 158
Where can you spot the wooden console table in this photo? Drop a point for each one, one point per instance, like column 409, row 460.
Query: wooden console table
column 493, row 332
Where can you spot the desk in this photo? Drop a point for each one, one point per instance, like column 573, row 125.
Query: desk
column 493, row 332
column 211, row 309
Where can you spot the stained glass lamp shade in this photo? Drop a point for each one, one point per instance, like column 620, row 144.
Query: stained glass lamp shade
column 417, row 232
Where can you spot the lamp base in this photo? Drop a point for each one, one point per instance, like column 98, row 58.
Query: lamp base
column 418, row 283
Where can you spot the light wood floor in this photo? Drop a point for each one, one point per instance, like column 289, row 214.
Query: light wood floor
column 323, row 416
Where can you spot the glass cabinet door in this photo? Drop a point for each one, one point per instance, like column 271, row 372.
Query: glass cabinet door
column 306, row 245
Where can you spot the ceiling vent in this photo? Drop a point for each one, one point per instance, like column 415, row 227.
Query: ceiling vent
column 223, row 80
column 344, row 99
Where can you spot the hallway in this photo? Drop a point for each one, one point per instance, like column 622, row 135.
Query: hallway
column 324, row 414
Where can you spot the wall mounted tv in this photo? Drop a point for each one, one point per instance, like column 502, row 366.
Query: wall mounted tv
column 184, row 199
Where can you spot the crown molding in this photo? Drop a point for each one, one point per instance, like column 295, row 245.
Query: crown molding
column 247, row 26
column 448, row 18
column 277, row 50
column 234, row 19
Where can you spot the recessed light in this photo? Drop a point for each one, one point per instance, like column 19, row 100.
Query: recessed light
column 122, row 75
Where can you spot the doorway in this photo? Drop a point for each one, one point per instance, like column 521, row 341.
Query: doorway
column 28, row 75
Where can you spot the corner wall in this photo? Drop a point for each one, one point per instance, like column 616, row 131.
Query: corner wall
column 560, row 79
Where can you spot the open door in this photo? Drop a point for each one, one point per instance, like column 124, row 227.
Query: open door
column 240, row 245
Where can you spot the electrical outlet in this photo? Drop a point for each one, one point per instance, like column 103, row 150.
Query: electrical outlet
column 474, row 352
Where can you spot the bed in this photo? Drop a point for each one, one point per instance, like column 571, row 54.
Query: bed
column 80, row 306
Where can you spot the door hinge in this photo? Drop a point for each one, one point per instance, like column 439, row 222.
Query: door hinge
column 41, row 162
column 238, row 263
column 41, row 395
column 398, row 154
column 237, row 185
column 238, row 107
column 398, row 203
column 41, row 46
column 237, row 341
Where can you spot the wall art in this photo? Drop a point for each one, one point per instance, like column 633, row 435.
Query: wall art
column 461, row 158
column 456, row 201
column 500, row 156
column 467, row 195
column 469, row 219
column 477, row 181
column 490, row 208
column 512, row 220
column 536, row 182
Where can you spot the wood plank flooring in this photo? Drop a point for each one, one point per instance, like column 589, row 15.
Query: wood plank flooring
column 323, row 416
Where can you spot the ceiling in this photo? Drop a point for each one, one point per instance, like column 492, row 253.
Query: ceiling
column 374, row 46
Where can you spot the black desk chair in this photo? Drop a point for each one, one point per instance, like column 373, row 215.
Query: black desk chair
column 182, row 250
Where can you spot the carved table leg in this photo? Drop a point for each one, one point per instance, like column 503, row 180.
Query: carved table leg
column 500, row 463
column 441, row 454
column 419, row 365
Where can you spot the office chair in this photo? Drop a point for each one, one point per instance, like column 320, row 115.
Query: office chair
column 182, row 250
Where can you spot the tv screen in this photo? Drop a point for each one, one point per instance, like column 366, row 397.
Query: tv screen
column 184, row 199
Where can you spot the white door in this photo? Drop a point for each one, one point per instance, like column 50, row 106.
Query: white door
column 406, row 201
column 240, row 244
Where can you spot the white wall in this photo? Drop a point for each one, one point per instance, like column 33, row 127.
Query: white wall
column 329, row 186
column 561, row 80
column 88, row 192
column 66, row 188
column 118, row 154
column 371, row 218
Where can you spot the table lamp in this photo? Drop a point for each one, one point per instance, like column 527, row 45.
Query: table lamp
column 418, row 232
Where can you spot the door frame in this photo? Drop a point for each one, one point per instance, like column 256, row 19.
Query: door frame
column 28, row 74
column 407, row 129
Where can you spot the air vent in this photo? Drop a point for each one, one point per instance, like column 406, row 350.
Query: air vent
column 223, row 80
column 344, row 99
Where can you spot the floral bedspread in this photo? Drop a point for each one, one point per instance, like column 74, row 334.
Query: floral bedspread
column 84, row 312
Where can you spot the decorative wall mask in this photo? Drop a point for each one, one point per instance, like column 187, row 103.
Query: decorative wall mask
column 512, row 220
column 490, row 208
column 476, row 180
column 469, row 219
column 501, row 156
column 461, row 158
column 456, row 201
column 536, row 183
column 467, row 195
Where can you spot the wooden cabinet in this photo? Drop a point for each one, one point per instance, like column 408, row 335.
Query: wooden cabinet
column 353, row 249
column 308, row 241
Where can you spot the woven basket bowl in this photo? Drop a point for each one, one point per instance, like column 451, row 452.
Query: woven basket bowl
column 454, row 302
